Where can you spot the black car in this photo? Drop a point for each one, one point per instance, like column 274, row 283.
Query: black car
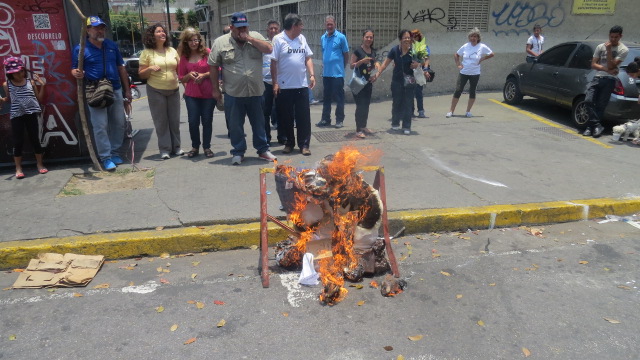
column 132, row 65
column 561, row 75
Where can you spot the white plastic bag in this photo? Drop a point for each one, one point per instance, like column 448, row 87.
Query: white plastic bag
column 357, row 83
column 419, row 75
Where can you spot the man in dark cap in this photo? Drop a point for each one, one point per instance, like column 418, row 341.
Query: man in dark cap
column 240, row 55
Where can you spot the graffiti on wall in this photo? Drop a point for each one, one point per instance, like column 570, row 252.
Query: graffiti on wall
column 42, row 43
column 435, row 15
column 520, row 16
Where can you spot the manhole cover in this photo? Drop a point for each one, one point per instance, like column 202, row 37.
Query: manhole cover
column 557, row 132
column 339, row 135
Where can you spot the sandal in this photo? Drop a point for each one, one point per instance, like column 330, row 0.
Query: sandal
column 43, row 171
column 20, row 175
column 193, row 153
column 208, row 153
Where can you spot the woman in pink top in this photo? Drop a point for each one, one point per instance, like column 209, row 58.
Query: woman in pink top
column 193, row 73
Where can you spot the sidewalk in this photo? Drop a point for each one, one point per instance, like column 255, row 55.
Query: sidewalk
column 449, row 174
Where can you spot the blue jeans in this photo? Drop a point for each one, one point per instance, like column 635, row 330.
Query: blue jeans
column 598, row 96
column 251, row 107
column 200, row 110
column 401, row 105
column 333, row 90
column 108, row 127
column 419, row 98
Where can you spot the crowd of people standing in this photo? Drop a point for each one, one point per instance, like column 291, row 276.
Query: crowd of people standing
column 269, row 81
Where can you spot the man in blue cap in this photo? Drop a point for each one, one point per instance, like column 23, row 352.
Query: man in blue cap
column 240, row 55
column 102, row 58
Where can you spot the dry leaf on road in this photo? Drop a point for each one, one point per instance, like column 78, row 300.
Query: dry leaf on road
column 77, row 295
column 164, row 281
column 459, row 296
column 613, row 321
column 102, row 286
column 174, row 327
column 200, row 305
column 12, row 337
column 388, row 348
column 218, row 302
column 160, row 309
column 445, row 273
column 192, row 340
column 526, row 352
column 360, row 303
column 415, row 337
column 480, row 323
column 221, row 323
column 193, row 276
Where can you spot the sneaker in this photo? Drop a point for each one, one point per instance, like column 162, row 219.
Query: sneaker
column 179, row 152
column 449, row 114
column 117, row 159
column 313, row 102
column 587, row 132
column 396, row 128
column 421, row 114
column 305, row 151
column 407, row 132
column 360, row 134
column 164, row 156
column 237, row 159
column 267, row 155
column 108, row 165
column 368, row 131
column 287, row 150
column 323, row 123
column 597, row 131
column 468, row 114
column 339, row 124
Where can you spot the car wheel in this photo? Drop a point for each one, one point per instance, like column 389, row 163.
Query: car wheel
column 511, row 92
column 135, row 93
column 580, row 112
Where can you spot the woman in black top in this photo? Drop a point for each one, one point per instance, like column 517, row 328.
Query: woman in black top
column 403, row 82
column 364, row 60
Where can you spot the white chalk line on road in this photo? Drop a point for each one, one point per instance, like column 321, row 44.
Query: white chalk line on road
column 460, row 173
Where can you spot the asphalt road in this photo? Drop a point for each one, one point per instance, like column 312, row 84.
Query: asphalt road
column 569, row 293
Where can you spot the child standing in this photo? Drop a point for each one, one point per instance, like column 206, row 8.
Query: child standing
column 25, row 96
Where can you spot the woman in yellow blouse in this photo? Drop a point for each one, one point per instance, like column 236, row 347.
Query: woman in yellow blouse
column 159, row 64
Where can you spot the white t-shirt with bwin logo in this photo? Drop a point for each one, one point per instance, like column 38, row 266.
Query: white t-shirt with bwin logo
column 290, row 56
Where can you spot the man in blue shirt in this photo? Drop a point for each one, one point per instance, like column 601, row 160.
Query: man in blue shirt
column 102, row 58
column 335, row 55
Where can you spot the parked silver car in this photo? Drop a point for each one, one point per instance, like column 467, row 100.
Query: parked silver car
column 561, row 75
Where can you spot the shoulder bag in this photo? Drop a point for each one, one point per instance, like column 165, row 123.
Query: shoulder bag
column 100, row 92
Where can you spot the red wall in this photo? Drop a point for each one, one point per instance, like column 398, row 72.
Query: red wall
column 37, row 32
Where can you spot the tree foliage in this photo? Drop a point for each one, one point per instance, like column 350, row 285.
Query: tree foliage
column 180, row 19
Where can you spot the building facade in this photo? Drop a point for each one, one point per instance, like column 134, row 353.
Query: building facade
column 505, row 26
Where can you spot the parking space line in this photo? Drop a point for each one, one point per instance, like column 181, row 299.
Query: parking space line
column 550, row 123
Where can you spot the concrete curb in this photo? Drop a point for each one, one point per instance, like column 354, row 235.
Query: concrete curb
column 15, row 254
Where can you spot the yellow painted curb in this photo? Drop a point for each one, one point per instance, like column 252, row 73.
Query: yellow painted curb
column 14, row 254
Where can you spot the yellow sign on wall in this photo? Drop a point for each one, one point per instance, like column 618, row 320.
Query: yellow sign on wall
column 600, row 7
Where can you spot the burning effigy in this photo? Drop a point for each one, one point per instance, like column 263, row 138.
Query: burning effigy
column 336, row 217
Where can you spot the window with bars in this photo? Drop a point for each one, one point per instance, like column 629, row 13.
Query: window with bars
column 467, row 14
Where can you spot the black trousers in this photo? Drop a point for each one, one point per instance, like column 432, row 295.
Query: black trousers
column 363, row 100
column 28, row 122
column 294, row 104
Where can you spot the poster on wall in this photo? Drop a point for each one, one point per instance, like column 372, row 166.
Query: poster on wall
column 36, row 31
column 594, row 7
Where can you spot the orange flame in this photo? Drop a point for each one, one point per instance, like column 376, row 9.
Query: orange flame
column 344, row 189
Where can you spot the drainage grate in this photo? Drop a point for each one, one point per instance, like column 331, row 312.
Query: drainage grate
column 557, row 132
column 339, row 135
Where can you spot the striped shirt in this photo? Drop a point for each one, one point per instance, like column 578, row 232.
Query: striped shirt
column 23, row 99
